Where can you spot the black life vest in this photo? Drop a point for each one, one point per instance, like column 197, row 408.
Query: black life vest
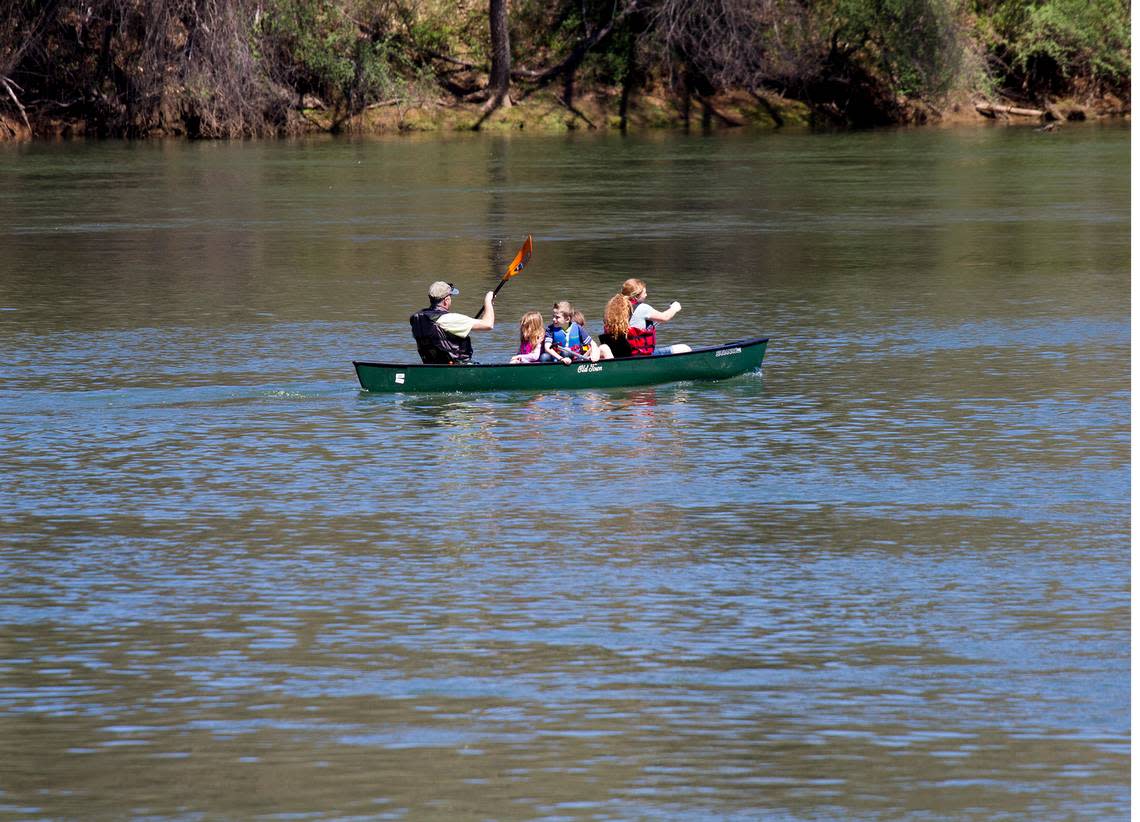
column 435, row 345
column 619, row 346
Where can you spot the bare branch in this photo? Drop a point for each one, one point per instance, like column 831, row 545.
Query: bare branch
column 11, row 87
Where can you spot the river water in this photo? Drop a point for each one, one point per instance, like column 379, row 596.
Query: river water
column 886, row 578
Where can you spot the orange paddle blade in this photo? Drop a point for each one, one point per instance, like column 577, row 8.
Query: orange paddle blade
column 520, row 260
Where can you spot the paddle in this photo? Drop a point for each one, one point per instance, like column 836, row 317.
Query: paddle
column 574, row 355
column 517, row 265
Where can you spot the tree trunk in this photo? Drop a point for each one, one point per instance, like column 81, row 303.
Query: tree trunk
column 500, row 84
column 628, row 82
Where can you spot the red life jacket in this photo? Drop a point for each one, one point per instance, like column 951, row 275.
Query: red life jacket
column 642, row 342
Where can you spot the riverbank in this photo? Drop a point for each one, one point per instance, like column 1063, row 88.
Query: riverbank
column 546, row 111
column 230, row 69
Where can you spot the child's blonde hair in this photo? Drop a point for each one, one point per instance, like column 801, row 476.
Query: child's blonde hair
column 531, row 328
column 564, row 306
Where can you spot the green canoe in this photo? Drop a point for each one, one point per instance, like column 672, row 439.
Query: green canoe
column 713, row 363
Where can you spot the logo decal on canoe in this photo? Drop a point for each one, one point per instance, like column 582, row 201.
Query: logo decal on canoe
column 399, row 379
column 589, row 369
column 728, row 351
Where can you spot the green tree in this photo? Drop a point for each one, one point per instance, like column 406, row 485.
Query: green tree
column 1058, row 46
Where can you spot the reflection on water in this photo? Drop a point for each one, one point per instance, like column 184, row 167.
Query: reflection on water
column 887, row 577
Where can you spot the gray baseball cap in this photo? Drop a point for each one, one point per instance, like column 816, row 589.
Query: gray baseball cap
column 440, row 289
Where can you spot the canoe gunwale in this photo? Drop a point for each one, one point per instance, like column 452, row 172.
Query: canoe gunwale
column 703, row 350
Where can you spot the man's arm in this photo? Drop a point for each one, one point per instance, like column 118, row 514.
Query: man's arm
column 487, row 321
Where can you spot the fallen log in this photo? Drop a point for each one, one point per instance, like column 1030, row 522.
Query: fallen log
column 993, row 110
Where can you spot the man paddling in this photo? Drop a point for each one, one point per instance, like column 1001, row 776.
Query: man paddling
column 443, row 336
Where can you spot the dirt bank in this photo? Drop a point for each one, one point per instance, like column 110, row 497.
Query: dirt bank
column 603, row 110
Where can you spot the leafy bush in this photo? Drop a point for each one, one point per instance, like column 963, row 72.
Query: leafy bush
column 1059, row 46
column 918, row 47
column 328, row 49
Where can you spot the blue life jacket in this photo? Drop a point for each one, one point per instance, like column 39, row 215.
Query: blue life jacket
column 572, row 338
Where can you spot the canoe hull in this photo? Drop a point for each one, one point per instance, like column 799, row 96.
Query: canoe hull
column 713, row 363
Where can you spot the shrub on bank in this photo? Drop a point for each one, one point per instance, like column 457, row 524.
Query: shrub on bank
column 234, row 68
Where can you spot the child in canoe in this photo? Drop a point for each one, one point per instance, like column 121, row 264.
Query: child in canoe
column 531, row 336
column 567, row 341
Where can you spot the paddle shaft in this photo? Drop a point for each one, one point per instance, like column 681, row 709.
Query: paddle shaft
column 493, row 294
column 517, row 265
column 574, row 355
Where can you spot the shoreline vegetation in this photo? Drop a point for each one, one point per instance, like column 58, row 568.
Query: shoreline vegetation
column 217, row 69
